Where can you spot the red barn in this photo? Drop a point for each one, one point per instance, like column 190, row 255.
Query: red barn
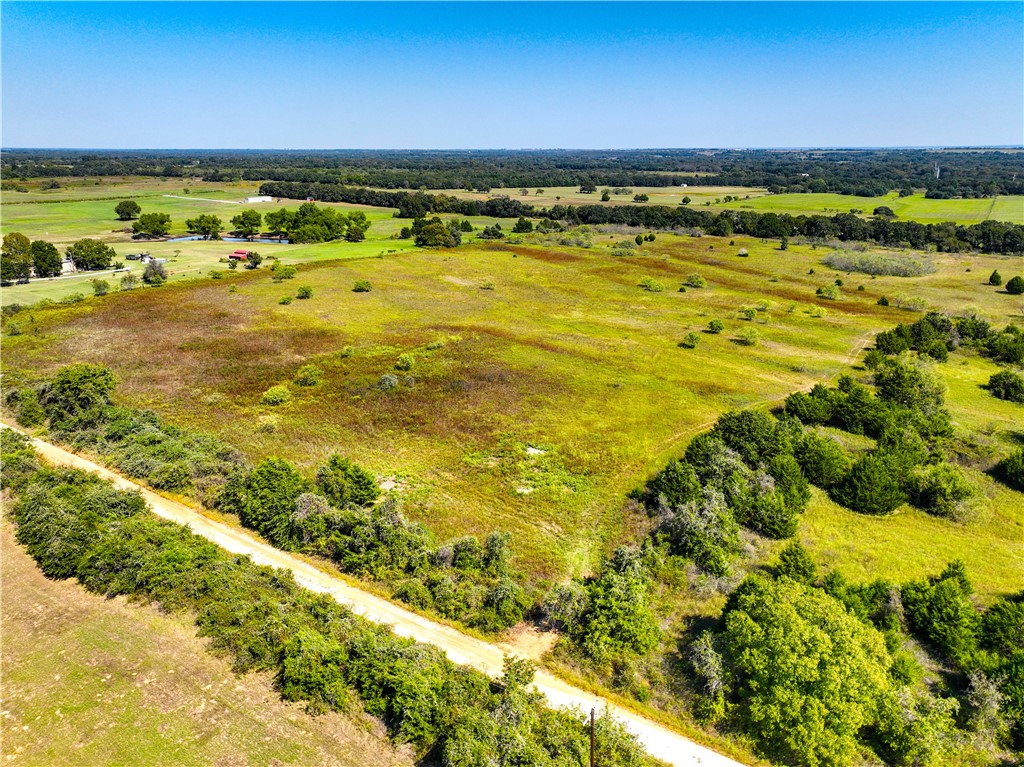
column 240, row 255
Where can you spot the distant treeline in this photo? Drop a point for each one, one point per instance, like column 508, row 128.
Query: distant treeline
column 987, row 236
column 859, row 172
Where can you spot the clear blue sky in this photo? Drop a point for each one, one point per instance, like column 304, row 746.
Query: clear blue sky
column 497, row 75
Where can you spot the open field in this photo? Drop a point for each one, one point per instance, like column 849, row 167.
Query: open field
column 912, row 208
column 557, row 349
column 571, row 195
column 94, row 681
column 64, row 219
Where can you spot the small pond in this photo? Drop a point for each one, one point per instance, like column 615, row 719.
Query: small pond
column 229, row 239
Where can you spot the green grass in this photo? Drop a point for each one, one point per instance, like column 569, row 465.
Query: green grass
column 94, row 681
column 912, row 208
column 571, row 195
column 567, row 354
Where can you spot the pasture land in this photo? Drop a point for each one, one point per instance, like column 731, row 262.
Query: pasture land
column 571, row 195
column 912, row 208
column 89, row 680
column 547, row 382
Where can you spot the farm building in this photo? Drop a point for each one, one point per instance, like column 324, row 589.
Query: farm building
column 239, row 255
column 259, row 198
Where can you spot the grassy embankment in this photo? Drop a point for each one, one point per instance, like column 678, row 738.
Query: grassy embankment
column 551, row 348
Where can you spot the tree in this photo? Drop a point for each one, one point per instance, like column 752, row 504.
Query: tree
column 253, row 260
column 78, row 396
column 153, row 224
column 16, row 257
column 523, row 226
column 46, row 259
column 716, row 326
column 207, row 225
column 89, row 255
column 795, row 562
column 1007, row 385
column 872, row 486
column 686, row 201
column 265, row 499
column 995, row 278
column 807, row 676
column 588, row 188
column 910, row 383
column 127, row 210
column 100, row 287
column 1015, row 286
column 154, row 274
column 884, row 211
column 358, row 223
column 822, row 459
column 346, row 483
column 247, row 223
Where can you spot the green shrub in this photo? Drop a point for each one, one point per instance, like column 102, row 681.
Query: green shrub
column 651, row 284
column 716, row 326
column 705, row 531
column 690, row 341
column 345, row 483
column 284, row 273
column 879, row 264
column 995, row 278
column 939, row 489
column 795, row 562
column 387, row 382
column 276, row 395
column 829, row 292
column 1011, row 470
column 405, row 362
column 872, row 486
column 822, row 459
column 78, row 396
column 748, row 337
column 1015, row 286
column 696, row 281
column 1007, row 385
column 265, row 499
column 362, row 286
column 285, row 300
column 940, row 611
column 883, row 301
column 29, row 412
column 304, row 292
column 308, row 375
column 676, row 484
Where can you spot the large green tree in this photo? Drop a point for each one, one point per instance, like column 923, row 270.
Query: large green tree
column 46, row 259
column 153, row 224
column 807, row 676
column 247, row 223
column 207, row 225
column 89, row 254
column 15, row 257
column 126, row 210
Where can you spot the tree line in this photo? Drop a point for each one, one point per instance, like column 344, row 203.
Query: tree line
column 987, row 236
column 857, row 172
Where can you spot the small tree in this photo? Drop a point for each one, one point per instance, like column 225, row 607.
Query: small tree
column 304, row 291
column 247, row 223
column 1015, row 286
column 716, row 326
column 129, row 282
column 748, row 337
column 127, row 210
column 686, row 201
column 276, row 395
column 696, row 281
column 100, row 287
column 522, row 226
column 1007, row 385
column 152, row 224
column 154, row 274
column 362, row 286
column 995, row 278
column 253, row 260
column 690, row 341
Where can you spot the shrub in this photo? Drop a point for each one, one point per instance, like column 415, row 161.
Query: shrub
column 284, row 273
column 676, row 484
column 795, row 562
column 304, row 292
column 266, row 498
column 716, row 326
column 883, row 301
column 995, row 278
column 690, row 341
column 696, row 281
column 829, row 292
column 651, row 284
column 285, row 300
column 29, row 412
column 878, row 264
column 276, row 395
column 78, row 396
column 910, row 303
column 362, row 286
column 748, row 313
column 748, row 337
column 1015, row 286
column 872, row 486
column 940, row 611
column 705, row 531
column 1011, row 470
column 154, row 274
column 822, row 460
column 1007, row 385
column 405, row 362
column 308, row 375
column 100, row 287
column 346, row 483
column 940, row 489
column 129, row 282
column 387, row 382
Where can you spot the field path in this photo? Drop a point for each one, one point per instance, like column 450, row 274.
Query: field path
column 659, row 740
column 201, row 199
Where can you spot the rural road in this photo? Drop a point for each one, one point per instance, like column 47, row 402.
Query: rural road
column 660, row 741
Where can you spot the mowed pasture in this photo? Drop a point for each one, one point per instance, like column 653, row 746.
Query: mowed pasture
column 547, row 382
column 64, row 219
column 912, row 208
column 89, row 680
column 571, row 195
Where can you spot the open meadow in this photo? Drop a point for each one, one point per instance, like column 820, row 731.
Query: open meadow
column 89, row 680
column 547, row 381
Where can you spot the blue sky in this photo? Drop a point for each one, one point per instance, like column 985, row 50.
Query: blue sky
column 497, row 75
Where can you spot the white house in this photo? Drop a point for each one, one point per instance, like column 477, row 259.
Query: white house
column 259, row 198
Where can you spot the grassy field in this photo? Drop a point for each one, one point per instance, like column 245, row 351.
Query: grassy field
column 571, row 195
column 94, row 681
column 532, row 346
column 66, row 216
column 912, row 208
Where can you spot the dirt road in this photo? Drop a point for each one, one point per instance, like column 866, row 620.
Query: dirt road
column 660, row 741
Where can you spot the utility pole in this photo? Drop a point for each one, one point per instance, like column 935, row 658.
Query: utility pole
column 592, row 763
